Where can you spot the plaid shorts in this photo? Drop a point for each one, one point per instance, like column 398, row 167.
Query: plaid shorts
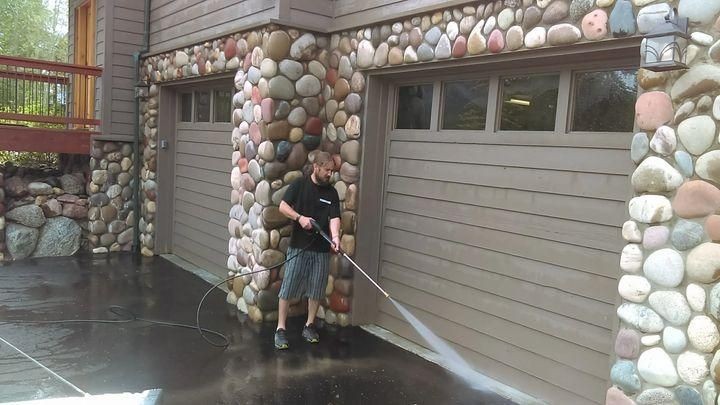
column 306, row 275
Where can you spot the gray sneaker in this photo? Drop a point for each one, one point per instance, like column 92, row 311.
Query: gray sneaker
column 310, row 334
column 281, row 342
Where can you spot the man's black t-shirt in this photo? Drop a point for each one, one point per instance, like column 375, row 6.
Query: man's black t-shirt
column 318, row 202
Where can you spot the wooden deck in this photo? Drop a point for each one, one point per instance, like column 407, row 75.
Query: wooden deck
column 47, row 106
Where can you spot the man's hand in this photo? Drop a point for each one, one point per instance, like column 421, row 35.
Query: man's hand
column 335, row 246
column 305, row 222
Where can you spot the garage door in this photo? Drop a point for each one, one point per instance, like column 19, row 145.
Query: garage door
column 202, row 184
column 504, row 200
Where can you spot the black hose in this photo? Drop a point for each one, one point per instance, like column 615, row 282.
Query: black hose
column 126, row 315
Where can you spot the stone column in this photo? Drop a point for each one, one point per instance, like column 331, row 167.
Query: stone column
column 667, row 345
column 111, row 216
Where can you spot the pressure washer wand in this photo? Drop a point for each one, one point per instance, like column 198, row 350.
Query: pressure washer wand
column 322, row 233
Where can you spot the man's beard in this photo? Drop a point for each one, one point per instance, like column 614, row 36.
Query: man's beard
column 321, row 181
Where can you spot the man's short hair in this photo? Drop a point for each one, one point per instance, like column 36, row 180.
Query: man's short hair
column 322, row 158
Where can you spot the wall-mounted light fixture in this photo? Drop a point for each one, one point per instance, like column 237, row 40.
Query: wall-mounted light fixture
column 665, row 47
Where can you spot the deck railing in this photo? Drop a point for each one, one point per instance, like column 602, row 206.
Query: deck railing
column 37, row 95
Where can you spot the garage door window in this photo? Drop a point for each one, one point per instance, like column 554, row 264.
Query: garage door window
column 212, row 105
column 223, row 105
column 186, row 102
column 414, row 107
column 465, row 104
column 604, row 101
column 529, row 103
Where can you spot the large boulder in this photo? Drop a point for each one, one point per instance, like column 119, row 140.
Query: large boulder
column 59, row 237
column 71, row 184
column 20, row 240
column 28, row 215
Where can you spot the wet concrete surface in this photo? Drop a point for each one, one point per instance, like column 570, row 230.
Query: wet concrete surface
column 348, row 366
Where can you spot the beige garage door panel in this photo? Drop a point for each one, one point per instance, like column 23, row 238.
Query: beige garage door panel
column 202, row 192
column 508, row 249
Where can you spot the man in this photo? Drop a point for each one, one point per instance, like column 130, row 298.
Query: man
column 309, row 198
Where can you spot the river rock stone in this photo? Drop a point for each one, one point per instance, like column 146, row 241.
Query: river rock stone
column 700, row 12
column 712, row 227
column 579, row 8
column 563, row 34
column 697, row 133
column 624, row 375
column 536, row 37
column 651, row 16
column 308, row 86
column 656, row 367
column 28, row 215
column 71, row 184
column 476, row 41
column 656, row 396
column 443, row 50
column 655, row 237
column 631, row 258
column 291, row 69
column 631, row 232
column 622, row 19
column 655, row 175
column 616, row 397
column 653, row 109
column 650, row 209
column 281, row 88
column 59, row 237
column 556, row 12
column 20, row 240
column 708, row 166
column 594, row 25
column 665, row 267
column 692, row 368
column 702, row 78
column 639, row 147
column 627, row 344
column 532, row 17
column 634, row 288
column 641, row 317
column 684, row 162
column 695, row 199
column 703, row 263
column 674, row 340
column 688, row 395
column 703, row 334
column 664, row 141
column 365, row 54
column 696, row 297
column 686, row 235
column 513, row 38
column 303, row 46
column 671, row 305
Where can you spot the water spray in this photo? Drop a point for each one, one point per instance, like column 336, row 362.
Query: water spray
column 322, row 233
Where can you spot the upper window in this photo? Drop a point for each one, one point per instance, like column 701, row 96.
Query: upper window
column 222, row 105
column 465, row 104
column 414, row 107
column 204, row 105
column 186, row 105
column 604, row 101
column 529, row 103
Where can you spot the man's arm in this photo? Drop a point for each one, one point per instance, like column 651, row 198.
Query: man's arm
column 335, row 232
column 287, row 210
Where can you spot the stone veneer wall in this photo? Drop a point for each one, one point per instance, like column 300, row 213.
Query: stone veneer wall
column 301, row 92
column 46, row 212
column 111, row 214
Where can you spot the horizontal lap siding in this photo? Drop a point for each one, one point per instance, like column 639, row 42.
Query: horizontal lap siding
column 127, row 37
column 202, row 192
column 354, row 13
column 508, row 249
column 174, row 24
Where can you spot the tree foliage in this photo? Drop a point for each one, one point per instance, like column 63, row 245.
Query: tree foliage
column 34, row 29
